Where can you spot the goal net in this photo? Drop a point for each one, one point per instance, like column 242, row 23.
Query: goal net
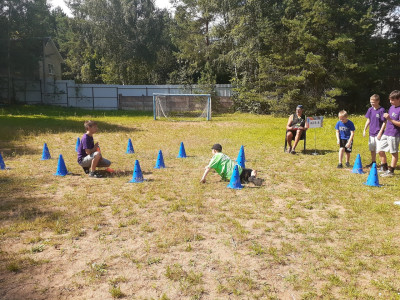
column 182, row 106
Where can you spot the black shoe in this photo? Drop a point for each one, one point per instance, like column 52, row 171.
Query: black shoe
column 95, row 175
column 370, row 165
column 348, row 165
column 340, row 166
column 86, row 170
column 383, row 168
column 256, row 181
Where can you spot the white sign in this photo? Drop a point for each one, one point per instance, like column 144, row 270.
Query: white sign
column 315, row 122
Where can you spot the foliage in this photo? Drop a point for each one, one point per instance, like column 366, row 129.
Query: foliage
column 323, row 54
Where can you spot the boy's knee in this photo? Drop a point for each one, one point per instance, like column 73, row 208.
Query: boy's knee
column 97, row 155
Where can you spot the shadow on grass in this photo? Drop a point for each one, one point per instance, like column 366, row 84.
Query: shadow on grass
column 319, row 152
column 15, row 129
column 119, row 173
column 59, row 112
column 22, row 120
column 8, row 149
column 17, row 126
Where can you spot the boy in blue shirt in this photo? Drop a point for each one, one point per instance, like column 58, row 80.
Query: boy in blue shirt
column 344, row 135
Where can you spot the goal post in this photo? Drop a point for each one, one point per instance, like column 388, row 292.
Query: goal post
column 181, row 105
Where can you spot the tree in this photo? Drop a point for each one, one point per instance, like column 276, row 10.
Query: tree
column 128, row 40
column 24, row 26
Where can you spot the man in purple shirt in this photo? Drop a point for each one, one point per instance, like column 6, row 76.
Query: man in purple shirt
column 89, row 155
column 391, row 138
column 376, row 123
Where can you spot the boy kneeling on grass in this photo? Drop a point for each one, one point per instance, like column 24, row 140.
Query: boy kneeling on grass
column 89, row 155
column 224, row 166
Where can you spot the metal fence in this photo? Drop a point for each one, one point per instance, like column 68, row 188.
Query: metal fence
column 90, row 96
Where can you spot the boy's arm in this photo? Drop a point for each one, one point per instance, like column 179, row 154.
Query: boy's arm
column 366, row 126
column 350, row 139
column 380, row 133
column 94, row 149
column 389, row 119
column 207, row 170
column 337, row 137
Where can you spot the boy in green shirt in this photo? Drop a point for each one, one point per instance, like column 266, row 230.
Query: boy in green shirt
column 224, row 166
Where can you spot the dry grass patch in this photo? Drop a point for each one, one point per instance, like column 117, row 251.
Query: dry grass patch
column 311, row 232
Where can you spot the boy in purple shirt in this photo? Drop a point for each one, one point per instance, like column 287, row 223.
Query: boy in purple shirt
column 376, row 123
column 391, row 138
column 89, row 155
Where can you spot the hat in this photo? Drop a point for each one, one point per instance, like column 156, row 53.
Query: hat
column 300, row 106
column 217, row 147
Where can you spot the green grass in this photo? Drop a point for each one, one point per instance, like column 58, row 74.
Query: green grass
column 312, row 231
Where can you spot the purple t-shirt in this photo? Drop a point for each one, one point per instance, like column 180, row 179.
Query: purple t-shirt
column 87, row 142
column 392, row 130
column 376, row 120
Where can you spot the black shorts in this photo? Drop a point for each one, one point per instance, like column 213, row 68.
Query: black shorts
column 294, row 132
column 244, row 177
column 343, row 145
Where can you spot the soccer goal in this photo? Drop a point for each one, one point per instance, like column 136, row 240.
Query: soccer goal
column 182, row 106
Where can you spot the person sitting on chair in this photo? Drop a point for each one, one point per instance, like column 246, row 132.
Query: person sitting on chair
column 295, row 128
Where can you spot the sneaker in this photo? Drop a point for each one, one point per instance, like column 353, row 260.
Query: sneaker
column 348, row 165
column 293, row 152
column 86, row 170
column 383, row 169
column 370, row 165
column 256, row 181
column 340, row 166
column 387, row 174
column 94, row 175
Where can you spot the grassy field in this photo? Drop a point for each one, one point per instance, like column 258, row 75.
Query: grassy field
column 310, row 232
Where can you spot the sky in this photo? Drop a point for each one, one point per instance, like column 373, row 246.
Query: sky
column 55, row 3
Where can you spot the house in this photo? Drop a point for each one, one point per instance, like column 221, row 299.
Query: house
column 50, row 65
column 31, row 59
column 28, row 66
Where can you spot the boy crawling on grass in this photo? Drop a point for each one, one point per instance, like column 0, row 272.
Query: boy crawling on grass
column 89, row 155
column 224, row 166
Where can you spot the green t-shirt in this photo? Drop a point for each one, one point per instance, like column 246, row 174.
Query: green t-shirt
column 223, row 165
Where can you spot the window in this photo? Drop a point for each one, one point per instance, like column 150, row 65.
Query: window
column 51, row 69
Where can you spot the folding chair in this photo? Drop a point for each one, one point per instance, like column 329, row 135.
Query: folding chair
column 302, row 138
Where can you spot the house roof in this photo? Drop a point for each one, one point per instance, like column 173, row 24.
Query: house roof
column 51, row 44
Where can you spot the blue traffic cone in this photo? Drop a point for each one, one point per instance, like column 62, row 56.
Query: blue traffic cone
column 373, row 179
column 61, row 168
column 137, row 173
column 358, row 169
column 78, row 141
column 241, row 158
column 129, row 148
column 45, row 154
column 235, row 180
column 182, row 152
column 160, row 161
column 2, row 164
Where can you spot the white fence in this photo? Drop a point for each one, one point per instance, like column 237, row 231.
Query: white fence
column 93, row 96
